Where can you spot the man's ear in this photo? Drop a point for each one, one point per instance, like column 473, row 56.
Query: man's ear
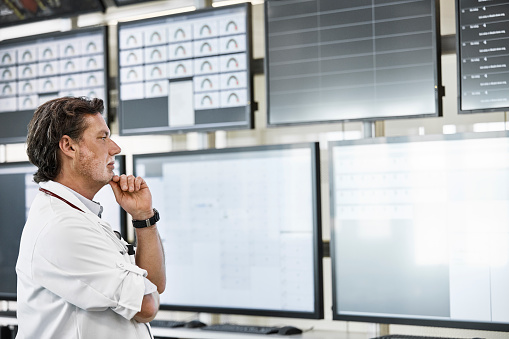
column 68, row 146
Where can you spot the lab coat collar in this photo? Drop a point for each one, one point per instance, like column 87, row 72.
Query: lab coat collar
column 65, row 193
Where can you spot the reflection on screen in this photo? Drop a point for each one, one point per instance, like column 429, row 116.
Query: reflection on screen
column 238, row 228
column 421, row 230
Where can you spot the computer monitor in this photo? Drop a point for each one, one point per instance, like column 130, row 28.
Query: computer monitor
column 420, row 230
column 331, row 60
column 482, row 45
column 186, row 72
column 240, row 228
column 18, row 192
column 38, row 68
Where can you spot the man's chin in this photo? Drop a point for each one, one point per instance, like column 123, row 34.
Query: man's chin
column 106, row 180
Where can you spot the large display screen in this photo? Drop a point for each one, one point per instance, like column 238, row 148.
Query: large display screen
column 186, row 72
column 18, row 192
column 14, row 12
column 420, row 230
column 337, row 60
column 240, row 228
column 36, row 69
column 483, row 45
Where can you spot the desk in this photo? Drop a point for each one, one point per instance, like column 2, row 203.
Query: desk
column 196, row 333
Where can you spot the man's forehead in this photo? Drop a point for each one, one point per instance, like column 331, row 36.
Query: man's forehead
column 96, row 124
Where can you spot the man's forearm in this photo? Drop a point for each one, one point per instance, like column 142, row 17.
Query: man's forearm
column 150, row 255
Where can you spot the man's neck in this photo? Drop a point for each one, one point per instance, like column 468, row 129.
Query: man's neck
column 91, row 205
column 78, row 186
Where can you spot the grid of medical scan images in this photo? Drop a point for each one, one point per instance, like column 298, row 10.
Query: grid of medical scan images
column 69, row 65
column 192, row 70
column 37, row 69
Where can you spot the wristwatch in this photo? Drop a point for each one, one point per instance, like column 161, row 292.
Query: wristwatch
column 147, row 222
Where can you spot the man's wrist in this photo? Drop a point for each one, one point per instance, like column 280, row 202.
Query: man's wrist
column 147, row 222
column 143, row 215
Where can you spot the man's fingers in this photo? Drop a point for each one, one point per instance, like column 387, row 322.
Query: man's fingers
column 129, row 182
column 139, row 181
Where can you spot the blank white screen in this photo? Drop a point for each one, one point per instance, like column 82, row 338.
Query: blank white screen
column 238, row 228
column 421, row 229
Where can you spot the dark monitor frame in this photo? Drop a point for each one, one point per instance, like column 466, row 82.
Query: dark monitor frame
column 318, row 312
column 459, row 68
column 395, row 320
column 35, row 39
column 14, row 165
column 209, row 127
column 439, row 91
column 63, row 14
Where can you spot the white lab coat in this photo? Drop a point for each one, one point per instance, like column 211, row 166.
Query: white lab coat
column 75, row 278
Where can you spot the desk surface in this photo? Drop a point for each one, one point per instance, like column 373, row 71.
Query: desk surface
column 196, row 333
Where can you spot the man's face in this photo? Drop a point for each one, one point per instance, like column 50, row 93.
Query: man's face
column 96, row 157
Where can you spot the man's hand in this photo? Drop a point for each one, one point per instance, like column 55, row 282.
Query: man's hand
column 133, row 195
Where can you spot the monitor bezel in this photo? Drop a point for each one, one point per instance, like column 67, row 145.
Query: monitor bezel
column 458, row 68
column 210, row 127
column 439, row 92
column 318, row 312
column 382, row 318
column 34, row 39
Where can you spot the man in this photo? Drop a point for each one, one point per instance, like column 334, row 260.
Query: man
column 76, row 278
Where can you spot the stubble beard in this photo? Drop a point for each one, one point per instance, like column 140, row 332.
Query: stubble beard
column 93, row 169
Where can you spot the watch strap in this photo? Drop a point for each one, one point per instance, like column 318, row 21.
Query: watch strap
column 147, row 222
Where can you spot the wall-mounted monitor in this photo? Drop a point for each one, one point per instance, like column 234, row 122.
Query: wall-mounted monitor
column 36, row 69
column 186, row 72
column 420, row 230
column 340, row 60
column 19, row 190
column 14, row 12
column 482, row 49
column 240, row 228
